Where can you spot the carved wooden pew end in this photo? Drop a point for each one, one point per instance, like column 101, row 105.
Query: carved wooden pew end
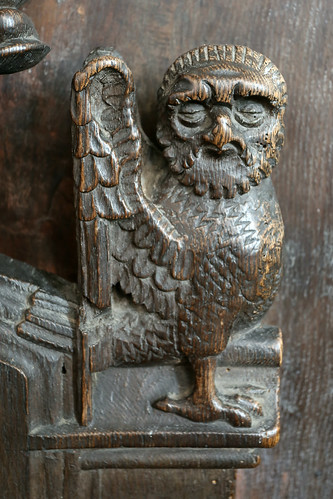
column 158, row 357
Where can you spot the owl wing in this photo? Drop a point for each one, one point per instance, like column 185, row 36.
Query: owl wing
column 124, row 237
column 107, row 151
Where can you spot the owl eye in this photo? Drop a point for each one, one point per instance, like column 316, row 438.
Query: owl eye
column 192, row 114
column 250, row 112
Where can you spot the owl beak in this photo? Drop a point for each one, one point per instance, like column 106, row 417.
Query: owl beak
column 222, row 137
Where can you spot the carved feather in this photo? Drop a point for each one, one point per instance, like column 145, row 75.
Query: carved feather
column 107, row 156
column 145, row 256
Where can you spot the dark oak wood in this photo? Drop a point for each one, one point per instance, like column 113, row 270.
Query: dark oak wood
column 14, row 430
column 37, row 333
column 296, row 36
column 183, row 251
column 178, row 262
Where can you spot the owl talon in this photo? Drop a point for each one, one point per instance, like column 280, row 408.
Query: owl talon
column 245, row 402
column 205, row 412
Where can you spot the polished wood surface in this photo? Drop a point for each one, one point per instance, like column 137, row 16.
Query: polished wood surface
column 186, row 238
column 36, row 201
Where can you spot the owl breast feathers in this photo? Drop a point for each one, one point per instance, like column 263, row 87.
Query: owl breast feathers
column 184, row 243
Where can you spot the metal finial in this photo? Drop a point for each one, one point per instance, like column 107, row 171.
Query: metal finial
column 20, row 47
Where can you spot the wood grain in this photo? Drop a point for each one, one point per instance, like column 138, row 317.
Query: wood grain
column 36, row 202
column 191, row 242
column 14, row 402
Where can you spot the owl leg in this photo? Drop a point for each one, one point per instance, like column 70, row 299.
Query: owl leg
column 203, row 404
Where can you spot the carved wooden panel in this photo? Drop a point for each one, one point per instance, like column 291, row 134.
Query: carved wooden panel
column 176, row 255
column 296, row 36
column 157, row 358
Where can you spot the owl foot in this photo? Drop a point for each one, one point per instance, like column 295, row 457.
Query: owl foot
column 211, row 410
column 247, row 403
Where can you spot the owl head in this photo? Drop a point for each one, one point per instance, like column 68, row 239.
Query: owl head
column 220, row 123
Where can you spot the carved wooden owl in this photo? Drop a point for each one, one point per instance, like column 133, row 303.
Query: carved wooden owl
column 179, row 247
